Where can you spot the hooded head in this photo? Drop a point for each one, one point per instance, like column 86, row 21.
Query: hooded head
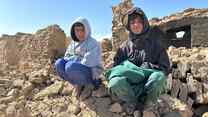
column 136, row 14
column 80, row 22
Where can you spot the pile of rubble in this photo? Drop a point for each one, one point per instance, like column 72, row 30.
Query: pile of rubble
column 189, row 78
column 40, row 92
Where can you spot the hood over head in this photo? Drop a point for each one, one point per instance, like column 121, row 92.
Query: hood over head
column 126, row 22
column 86, row 27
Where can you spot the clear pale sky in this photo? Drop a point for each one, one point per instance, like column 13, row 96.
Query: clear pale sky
column 30, row 15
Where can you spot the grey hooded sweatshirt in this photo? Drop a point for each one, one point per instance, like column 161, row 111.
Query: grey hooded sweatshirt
column 88, row 51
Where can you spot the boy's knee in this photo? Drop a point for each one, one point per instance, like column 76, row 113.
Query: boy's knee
column 72, row 67
column 156, row 81
column 115, row 82
column 59, row 62
column 159, row 76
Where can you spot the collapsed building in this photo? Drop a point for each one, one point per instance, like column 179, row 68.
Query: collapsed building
column 185, row 29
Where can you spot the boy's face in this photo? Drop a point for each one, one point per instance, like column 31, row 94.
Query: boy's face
column 79, row 32
column 136, row 25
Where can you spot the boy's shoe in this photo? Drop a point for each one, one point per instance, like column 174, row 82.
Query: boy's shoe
column 129, row 108
column 77, row 91
column 87, row 92
column 152, row 107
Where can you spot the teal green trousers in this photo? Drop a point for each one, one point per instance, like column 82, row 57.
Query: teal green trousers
column 135, row 84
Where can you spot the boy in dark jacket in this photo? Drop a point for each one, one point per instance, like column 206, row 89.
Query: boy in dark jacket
column 141, row 64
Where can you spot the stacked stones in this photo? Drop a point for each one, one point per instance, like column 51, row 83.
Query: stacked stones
column 119, row 33
column 106, row 45
column 106, row 50
column 189, row 78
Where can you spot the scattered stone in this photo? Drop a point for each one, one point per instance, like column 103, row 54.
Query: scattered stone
column 183, row 67
column 18, row 83
column 183, row 95
column 58, row 108
column 201, row 110
column 13, row 93
column 51, row 90
column 75, row 109
column 137, row 113
column 67, row 89
column 65, row 114
column 205, row 114
column 175, row 88
column 129, row 108
column 27, row 88
column 205, row 86
column 205, row 98
column 172, row 114
column 6, row 99
column 101, row 92
column 106, row 45
column 190, row 102
column 169, row 82
column 192, row 84
column 38, row 77
column 148, row 114
column 6, row 82
column 199, row 94
column 87, row 92
column 116, row 108
column 11, row 111
column 177, row 105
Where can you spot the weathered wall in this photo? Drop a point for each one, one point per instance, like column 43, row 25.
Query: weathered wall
column 119, row 33
column 39, row 48
column 199, row 33
column 189, row 74
column 195, row 18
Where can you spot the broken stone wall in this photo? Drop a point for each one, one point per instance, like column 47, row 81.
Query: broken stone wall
column 189, row 76
column 197, row 36
column 196, row 19
column 24, row 49
column 199, row 33
column 10, row 52
column 119, row 33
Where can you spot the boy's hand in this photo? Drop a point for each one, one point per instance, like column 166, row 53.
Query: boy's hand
column 109, row 65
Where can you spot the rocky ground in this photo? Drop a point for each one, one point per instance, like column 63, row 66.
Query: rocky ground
column 41, row 93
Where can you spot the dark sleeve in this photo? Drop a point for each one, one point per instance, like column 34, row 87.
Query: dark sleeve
column 120, row 56
column 163, row 62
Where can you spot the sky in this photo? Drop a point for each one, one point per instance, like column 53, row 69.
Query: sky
column 28, row 16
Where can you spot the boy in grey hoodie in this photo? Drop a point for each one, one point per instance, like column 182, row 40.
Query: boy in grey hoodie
column 81, row 65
